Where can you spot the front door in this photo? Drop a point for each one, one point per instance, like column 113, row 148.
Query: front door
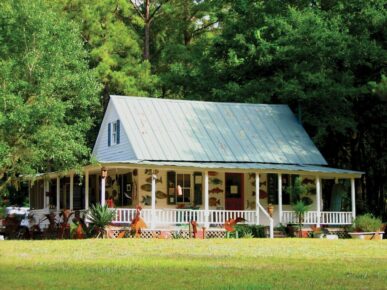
column 234, row 191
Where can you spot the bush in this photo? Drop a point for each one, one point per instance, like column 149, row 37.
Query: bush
column 255, row 231
column 367, row 223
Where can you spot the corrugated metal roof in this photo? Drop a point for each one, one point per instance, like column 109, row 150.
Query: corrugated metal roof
column 177, row 130
column 244, row 166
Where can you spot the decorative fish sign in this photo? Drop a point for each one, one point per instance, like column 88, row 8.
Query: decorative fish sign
column 216, row 190
column 262, row 194
column 260, row 184
column 158, row 180
column 250, row 204
column 146, row 187
column 149, row 171
column 147, row 200
column 213, row 201
column 216, row 181
column 212, row 173
column 161, row 195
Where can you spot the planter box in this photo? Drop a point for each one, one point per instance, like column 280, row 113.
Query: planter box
column 367, row 235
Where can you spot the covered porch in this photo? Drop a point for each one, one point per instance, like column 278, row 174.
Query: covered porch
column 175, row 193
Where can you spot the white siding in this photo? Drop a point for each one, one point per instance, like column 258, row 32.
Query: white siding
column 117, row 152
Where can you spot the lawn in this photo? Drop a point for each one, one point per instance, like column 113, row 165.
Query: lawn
column 167, row 264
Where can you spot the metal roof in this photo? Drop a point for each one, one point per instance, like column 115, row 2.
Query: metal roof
column 180, row 130
column 244, row 166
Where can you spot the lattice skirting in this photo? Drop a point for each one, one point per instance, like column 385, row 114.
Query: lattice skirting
column 115, row 232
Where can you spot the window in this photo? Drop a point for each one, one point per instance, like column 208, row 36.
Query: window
column 184, row 181
column 178, row 188
column 114, row 133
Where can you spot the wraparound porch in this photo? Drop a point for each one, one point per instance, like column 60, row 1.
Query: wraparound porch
column 132, row 182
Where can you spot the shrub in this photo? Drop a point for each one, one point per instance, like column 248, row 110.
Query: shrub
column 367, row 223
column 248, row 231
column 100, row 216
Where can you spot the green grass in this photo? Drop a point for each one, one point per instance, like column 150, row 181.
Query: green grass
column 167, row 264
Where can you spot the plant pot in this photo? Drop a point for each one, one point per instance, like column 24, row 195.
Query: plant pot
column 367, row 235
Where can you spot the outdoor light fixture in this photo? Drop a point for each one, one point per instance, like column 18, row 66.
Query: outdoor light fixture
column 103, row 172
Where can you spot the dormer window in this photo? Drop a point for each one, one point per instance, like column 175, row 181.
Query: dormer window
column 114, row 133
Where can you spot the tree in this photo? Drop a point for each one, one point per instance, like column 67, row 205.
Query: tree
column 147, row 10
column 48, row 97
column 109, row 30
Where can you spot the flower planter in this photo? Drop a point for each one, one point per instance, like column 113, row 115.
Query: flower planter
column 367, row 235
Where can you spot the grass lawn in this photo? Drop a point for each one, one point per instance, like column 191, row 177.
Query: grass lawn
column 167, row 264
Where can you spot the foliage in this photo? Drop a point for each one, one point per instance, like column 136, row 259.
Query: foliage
column 48, row 96
column 255, row 231
column 300, row 208
column 216, row 263
column 100, row 216
column 367, row 223
column 297, row 190
column 109, row 29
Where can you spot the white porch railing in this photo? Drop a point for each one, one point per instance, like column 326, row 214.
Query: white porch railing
column 221, row 216
column 326, row 217
column 183, row 216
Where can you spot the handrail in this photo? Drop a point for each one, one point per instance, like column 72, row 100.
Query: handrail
column 270, row 220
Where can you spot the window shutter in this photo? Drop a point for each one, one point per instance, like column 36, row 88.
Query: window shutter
column 118, row 131
column 198, row 192
column 109, row 134
column 171, row 187
column 272, row 188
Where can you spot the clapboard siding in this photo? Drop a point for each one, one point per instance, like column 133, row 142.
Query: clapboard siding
column 117, row 152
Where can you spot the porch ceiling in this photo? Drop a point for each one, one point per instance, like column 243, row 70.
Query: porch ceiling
column 246, row 166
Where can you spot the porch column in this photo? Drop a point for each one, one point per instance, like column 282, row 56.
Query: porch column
column 86, row 189
column 206, row 201
column 58, row 194
column 45, row 190
column 353, row 198
column 257, row 197
column 103, row 185
column 318, row 197
column 153, row 210
column 280, row 197
column 71, row 190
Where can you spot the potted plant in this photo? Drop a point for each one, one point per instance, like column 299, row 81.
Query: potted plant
column 298, row 192
column 100, row 216
column 367, row 227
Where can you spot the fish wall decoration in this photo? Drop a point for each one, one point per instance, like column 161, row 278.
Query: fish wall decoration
column 161, row 195
column 262, row 194
column 213, row 201
column 216, row 181
column 260, row 184
column 212, row 173
column 146, row 187
column 149, row 171
column 158, row 180
column 216, row 190
column 147, row 200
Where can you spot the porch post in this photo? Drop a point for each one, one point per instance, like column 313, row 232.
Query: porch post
column 58, row 194
column 71, row 190
column 45, row 189
column 280, row 197
column 86, row 189
column 153, row 210
column 257, row 197
column 353, row 198
column 103, row 185
column 206, row 201
column 318, row 197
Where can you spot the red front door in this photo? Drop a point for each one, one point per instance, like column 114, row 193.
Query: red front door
column 234, row 191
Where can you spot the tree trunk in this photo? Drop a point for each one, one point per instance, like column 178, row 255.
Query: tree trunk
column 147, row 30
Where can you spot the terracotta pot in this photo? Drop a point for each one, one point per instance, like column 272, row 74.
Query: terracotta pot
column 270, row 209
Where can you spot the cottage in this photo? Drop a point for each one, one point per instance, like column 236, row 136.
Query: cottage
column 205, row 161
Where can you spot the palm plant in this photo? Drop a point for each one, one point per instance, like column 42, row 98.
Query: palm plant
column 100, row 216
